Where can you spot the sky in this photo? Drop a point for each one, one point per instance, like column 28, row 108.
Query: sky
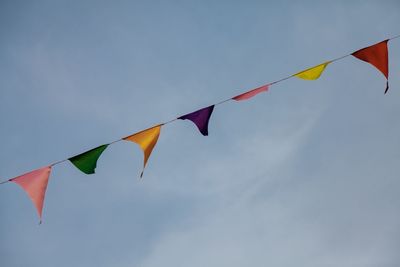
column 304, row 175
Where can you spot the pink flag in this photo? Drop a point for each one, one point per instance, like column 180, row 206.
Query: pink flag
column 251, row 93
column 35, row 183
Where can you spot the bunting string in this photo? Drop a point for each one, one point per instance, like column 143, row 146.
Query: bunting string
column 218, row 103
column 35, row 182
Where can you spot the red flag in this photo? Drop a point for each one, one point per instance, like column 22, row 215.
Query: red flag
column 376, row 55
column 35, row 183
column 251, row 93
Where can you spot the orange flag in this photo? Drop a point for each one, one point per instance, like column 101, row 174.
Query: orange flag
column 147, row 140
column 376, row 55
column 35, row 183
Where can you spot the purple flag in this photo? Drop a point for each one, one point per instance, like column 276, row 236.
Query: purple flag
column 200, row 118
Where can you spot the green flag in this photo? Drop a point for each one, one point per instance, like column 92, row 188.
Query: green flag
column 87, row 161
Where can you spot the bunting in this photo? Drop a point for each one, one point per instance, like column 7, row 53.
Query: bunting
column 312, row 73
column 201, row 118
column 34, row 183
column 377, row 56
column 147, row 140
column 87, row 161
column 251, row 93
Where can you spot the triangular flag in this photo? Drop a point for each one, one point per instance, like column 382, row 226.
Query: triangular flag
column 376, row 55
column 147, row 140
column 251, row 93
column 200, row 118
column 87, row 161
column 35, row 183
column 312, row 73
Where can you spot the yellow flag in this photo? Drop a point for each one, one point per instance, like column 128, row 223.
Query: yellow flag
column 312, row 73
column 146, row 139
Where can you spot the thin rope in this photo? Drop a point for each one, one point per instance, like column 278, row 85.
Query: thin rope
column 395, row 37
column 170, row 121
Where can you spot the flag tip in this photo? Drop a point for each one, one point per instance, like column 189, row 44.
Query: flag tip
column 387, row 87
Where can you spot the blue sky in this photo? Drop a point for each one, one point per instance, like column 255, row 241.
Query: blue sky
column 305, row 175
